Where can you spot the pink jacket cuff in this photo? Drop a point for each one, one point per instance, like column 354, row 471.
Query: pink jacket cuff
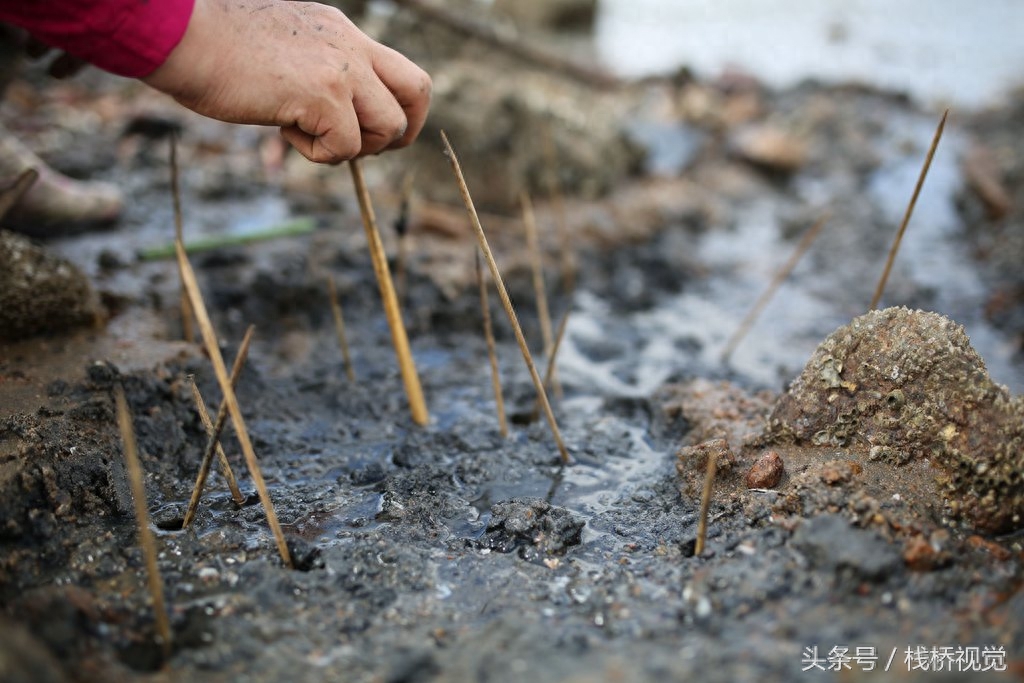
column 126, row 37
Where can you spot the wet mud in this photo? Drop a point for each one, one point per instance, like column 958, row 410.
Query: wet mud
column 450, row 553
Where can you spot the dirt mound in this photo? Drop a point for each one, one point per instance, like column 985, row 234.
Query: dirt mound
column 906, row 385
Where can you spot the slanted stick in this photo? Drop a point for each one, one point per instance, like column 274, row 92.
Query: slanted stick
column 503, row 295
column 559, row 335
column 562, row 325
column 204, row 417
column 540, row 292
column 10, row 196
column 339, row 328
column 910, row 210
column 213, row 436
column 186, row 308
column 805, row 243
column 135, row 480
column 705, row 503
column 399, row 338
column 210, row 340
column 492, row 354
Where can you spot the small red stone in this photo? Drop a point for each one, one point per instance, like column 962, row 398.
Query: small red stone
column 766, row 472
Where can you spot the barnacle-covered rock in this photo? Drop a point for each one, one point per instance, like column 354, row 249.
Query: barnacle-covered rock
column 40, row 293
column 904, row 385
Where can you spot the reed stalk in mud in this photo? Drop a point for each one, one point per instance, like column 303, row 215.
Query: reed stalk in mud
column 399, row 338
column 186, row 307
column 222, row 458
column 195, row 296
column 567, row 251
column 402, row 235
column 563, row 324
column 910, row 211
column 705, row 503
column 146, row 540
column 503, row 295
column 492, row 354
column 11, row 195
column 213, row 436
column 339, row 328
column 539, row 291
column 748, row 321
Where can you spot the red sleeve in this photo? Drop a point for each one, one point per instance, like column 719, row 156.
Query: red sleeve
column 126, row 37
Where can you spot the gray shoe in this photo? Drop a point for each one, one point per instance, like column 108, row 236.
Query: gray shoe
column 55, row 204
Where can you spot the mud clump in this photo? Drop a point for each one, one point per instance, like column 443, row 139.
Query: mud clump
column 528, row 122
column 40, row 293
column 533, row 526
column 906, row 385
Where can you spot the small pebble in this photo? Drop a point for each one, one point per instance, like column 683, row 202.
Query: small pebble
column 766, row 472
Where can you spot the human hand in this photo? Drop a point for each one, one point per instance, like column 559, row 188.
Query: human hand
column 335, row 93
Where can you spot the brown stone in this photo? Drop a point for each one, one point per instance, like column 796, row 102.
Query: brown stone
column 770, row 147
column 766, row 472
column 985, row 178
column 918, row 554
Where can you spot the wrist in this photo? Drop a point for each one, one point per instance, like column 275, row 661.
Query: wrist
column 184, row 70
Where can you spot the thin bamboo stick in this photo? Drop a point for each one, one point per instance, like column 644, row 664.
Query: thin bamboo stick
column 339, row 328
column 210, row 340
column 399, row 338
column 22, row 184
column 910, row 210
column 539, row 290
column 568, row 253
column 186, row 308
column 492, row 354
column 805, row 243
column 503, row 295
column 225, row 466
column 563, row 324
column 705, row 502
column 402, row 233
column 135, row 480
column 213, row 435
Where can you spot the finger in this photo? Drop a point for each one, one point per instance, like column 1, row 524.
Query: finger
column 410, row 86
column 326, row 140
column 382, row 120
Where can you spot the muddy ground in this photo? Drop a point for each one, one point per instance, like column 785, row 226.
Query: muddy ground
column 447, row 552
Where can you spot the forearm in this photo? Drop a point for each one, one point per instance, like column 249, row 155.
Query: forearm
column 302, row 66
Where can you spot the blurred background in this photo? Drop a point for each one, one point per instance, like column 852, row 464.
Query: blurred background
column 963, row 52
